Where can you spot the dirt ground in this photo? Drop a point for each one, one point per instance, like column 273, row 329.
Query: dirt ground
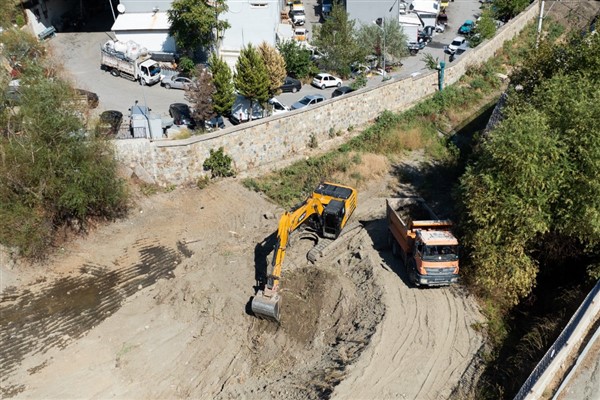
column 154, row 306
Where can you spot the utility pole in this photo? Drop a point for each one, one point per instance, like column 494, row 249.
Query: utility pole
column 539, row 29
column 381, row 23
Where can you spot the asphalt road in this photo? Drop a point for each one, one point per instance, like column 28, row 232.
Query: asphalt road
column 80, row 53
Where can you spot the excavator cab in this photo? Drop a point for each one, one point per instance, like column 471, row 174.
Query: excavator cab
column 333, row 216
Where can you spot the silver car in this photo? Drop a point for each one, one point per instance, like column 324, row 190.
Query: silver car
column 308, row 100
column 176, row 82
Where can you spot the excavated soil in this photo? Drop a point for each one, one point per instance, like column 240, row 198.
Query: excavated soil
column 156, row 306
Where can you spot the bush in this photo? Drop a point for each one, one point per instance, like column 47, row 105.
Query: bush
column 359, row 82
column 52, row 173
column 219, row 164
column 187, row 65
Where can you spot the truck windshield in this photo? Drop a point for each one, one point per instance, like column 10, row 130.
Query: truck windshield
column 154, row 69
column 440, row 253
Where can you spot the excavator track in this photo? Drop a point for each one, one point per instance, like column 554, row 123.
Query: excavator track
column 324, row 246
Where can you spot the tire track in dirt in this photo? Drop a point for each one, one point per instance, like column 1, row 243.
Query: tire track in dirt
column 423, row 344
column 44, row 316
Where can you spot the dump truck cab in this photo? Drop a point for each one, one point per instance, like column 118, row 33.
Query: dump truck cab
column 436, row 258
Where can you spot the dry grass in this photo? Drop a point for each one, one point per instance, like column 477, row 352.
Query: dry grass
column 370, row 167
column 411, row 139
column 183, row 133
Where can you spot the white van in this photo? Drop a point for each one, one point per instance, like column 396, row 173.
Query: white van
column 240, row 111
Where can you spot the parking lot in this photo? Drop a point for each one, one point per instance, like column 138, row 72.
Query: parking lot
column 80, row 53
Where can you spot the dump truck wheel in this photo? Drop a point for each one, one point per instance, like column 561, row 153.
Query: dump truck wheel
column 395, row 249
column 412, row 272
column 114, row 72
column 390, row 240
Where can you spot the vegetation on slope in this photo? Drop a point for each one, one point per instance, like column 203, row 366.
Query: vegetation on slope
column 531, row 203
column 53, row 173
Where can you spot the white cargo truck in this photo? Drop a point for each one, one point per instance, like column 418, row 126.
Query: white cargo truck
column 130, row 61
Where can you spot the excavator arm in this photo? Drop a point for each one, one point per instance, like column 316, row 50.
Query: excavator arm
column 266, row 302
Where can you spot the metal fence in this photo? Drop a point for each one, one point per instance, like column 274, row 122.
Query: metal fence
column 557, row 346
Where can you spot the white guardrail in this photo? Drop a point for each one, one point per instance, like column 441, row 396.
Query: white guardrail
column 545, row 371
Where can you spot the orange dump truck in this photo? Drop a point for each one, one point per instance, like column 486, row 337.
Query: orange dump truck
column 428, row 248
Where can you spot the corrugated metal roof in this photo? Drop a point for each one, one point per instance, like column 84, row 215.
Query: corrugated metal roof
column 141, row 22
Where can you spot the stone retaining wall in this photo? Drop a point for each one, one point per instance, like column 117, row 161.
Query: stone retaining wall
column 277, row 138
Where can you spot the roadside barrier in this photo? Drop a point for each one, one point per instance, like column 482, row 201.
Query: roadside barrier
column 578, row 326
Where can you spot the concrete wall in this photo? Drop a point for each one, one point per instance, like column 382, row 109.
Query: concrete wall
column 264, row 142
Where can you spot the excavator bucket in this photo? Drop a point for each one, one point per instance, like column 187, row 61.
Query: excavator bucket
column 266, row 307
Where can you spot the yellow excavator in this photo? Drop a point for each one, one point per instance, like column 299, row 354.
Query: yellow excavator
column 327, row 210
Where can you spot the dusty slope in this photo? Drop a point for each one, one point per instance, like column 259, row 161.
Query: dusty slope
column 154, row 307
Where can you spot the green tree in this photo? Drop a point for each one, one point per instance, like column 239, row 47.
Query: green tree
column 506, row 9
column 52, row 172
column 196, row 24
column 534, row 187
column 297, row 59
column 224, row 95
column 370, row 37
column 275, row 66
column 576, row 55
column 485, row 29
column 200, row 95
column 251, row 78
column 336, row 38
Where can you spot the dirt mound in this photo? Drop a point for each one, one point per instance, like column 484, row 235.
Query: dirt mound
column 329, row 314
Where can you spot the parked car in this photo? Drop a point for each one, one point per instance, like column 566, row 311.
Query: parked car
column 326, row 6
column 176, row 82
column 110, row 122
column 90, row 97
column 342, row 90
column 315, row 53
column 308, row 100
column 467, row 27
column 243, row 111
column 301, row 34
column 298, row 17
column 215, row 122
column 297, row 5
column 324, row 80
column 457, row 42
column 359, row 69
column 182, row 115
column 290, row 85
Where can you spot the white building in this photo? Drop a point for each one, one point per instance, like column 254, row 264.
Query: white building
column 251, row 21
column 150, row 30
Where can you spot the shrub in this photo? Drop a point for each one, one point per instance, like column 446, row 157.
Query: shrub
column 219, row 164
column 359, row 82
column 187, row 65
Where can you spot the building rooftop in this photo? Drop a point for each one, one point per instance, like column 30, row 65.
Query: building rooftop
column 141, row 22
